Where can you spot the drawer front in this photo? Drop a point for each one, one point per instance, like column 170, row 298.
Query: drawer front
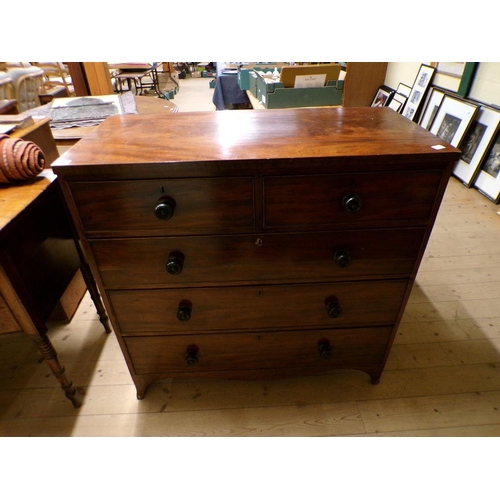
column 299, row 256
column 350, row 198
column 258, row 307
column 232, row 352
column 191, row 204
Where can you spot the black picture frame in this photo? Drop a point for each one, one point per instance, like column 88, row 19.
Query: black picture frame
column 418, row 92
column 453, row 119
column 475, row 147
column 431, row 107
column 383, row 97
column 397, row 102
column 487, row 181
column 403, row 89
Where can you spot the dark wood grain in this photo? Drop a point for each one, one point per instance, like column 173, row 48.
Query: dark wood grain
column 199, row 204
column 141, row 262
column 258, row 307
column 298, row 200
column 263, row 351
column 260, row 213
column 206, row 143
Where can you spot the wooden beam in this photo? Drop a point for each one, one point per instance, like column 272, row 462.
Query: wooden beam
column 98, row 78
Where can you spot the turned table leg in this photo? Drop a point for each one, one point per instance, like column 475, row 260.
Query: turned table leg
column 94, row 294
column 75, row 395
column 38, row 335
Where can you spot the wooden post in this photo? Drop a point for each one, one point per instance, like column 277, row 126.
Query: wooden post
column 362, row 81
column 98, row 78
column 78, row 78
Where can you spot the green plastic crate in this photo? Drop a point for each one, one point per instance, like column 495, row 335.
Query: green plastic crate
column 274, row 95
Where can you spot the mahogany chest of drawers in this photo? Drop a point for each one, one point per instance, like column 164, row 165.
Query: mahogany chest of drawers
column 255, row 243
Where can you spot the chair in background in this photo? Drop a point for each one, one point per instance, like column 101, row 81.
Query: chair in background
column 6, row 89
column 56, row 75
column 8, row 105
column 27, row 83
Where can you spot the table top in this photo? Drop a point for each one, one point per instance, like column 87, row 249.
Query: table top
column 209, row 141
column 145, row 105
column 28, row 126
column 15, row 197
column 130, row 66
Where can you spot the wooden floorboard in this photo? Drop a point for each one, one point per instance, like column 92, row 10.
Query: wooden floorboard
column 442, row 377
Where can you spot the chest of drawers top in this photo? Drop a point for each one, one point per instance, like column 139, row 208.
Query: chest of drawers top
column 252, row 142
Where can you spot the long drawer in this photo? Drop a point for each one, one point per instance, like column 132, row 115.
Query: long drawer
column 349, row 348
column 350, row 198
column 194, row 310
column 222, row 259
column 166, row 206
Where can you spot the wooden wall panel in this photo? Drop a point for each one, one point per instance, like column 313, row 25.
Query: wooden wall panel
column 362, row 82
column 98, row 78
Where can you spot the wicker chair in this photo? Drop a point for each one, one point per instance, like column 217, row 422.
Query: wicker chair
column 56, row 75
column 27, row 84
column 6, row 88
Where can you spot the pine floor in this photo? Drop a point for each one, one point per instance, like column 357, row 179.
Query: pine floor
column 442, row 377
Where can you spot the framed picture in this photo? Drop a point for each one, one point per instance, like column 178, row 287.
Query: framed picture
column 418, row 92
column 453, row 119
column 403, row 89
column 451, row 68
column 456, row 76
column 397, row 102
column 382, row 97
column 488, row 179
column 476, row 144
column 431, row 107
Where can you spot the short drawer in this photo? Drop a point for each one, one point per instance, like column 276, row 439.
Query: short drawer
column 227, row 259
column 258, row 307
column 165, row 206
column 349, row 348
column 350, row 198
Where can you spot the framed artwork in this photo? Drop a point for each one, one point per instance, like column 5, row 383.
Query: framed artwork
column 461, row 73
column 382, row 97
column 418, row 92
column 488, row 179
column 451, row 68
column 476, row 144
column 431, row 107
column 403, row 89
column 397, row 102
column 453, row 119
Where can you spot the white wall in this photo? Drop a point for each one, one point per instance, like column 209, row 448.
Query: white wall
column 401, row 72
column 485, row 88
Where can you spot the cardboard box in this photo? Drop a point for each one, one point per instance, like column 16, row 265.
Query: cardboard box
column 288, row 74
column 245, row 72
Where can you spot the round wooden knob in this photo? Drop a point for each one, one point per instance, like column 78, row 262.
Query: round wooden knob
column 342, row 258
column 165, row 208
column 174, row 264
column 184, row 313
column 191, row 355
column 351, row 203
column 325, row 349
column 334, row 309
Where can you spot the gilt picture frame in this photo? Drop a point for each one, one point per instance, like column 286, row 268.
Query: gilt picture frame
column 475, row 146
column 453, row 119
